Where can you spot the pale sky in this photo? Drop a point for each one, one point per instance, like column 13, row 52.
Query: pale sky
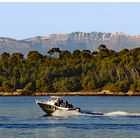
column 24, row 20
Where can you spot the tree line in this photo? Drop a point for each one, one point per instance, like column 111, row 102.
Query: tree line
column 65, row 71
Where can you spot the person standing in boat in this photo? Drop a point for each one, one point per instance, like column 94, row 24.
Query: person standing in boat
column 66, row 104
column 59, row 102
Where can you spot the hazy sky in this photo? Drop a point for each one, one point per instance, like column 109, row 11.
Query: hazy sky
column 24, row 20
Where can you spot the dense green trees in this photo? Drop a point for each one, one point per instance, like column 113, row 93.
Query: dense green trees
column 71, row 71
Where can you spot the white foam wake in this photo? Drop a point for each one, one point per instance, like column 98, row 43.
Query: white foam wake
column 65, row 113
column 121, row 113
column 114, row 113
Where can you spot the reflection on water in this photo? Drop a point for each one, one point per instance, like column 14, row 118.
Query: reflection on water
column 21, row 117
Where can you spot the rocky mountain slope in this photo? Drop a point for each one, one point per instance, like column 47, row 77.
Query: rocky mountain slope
column 72, row 41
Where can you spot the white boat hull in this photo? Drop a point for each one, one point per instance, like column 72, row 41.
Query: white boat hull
column 49, row 109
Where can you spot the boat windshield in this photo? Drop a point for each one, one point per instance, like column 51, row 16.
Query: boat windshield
column 54, row 98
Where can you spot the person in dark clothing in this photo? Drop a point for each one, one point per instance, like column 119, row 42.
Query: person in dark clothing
column 61, row 101
column 66, row 102
column 66, row 105
column 58, row 102
column 70, row 105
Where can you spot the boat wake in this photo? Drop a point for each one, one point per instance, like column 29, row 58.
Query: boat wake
column 121, row 113
column 114, row 113
column 65, row 113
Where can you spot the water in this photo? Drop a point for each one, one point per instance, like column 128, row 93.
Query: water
column 20, row 117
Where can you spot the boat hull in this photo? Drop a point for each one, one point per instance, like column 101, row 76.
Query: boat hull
column 49, row 109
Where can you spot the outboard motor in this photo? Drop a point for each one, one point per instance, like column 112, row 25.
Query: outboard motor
column 78, row 109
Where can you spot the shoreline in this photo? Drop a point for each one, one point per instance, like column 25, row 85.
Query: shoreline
column 79, row 93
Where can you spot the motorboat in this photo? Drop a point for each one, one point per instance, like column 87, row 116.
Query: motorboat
column 55, row 103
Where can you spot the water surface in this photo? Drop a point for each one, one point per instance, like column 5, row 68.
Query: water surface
column 20, row 117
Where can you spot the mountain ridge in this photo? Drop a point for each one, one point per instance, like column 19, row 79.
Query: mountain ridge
column 71, row 41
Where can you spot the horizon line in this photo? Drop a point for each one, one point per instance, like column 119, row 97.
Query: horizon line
column 47, row 35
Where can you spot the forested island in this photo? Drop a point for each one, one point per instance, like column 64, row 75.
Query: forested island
column 102, row 72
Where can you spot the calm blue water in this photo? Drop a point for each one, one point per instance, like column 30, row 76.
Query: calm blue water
column 21, row 117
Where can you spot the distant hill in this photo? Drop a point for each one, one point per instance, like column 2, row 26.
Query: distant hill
column 71, row 41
